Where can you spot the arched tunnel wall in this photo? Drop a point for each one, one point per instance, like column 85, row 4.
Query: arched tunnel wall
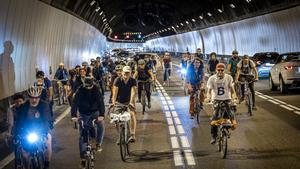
column 42, row 36
column 279, row 31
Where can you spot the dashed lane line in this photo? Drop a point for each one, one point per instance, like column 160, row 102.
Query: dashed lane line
column 184, row 142
column 174, row 142
column 172, row 130
column 189, row 157
column 170, row 121
column 180, row 129
column 177, row 158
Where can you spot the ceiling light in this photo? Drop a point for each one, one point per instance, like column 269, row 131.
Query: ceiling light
column 201, row 17
column 232, row 6
column 97, row 9
column 104, row 20
column 101, row 13
column 193, row 20
column 166, row 30
column 177, row 26
column 209, row 14
column 220, row 10
column 169, row 29
column 181, row 24
column 173, row 27
column 93, row 2
column 248, row 1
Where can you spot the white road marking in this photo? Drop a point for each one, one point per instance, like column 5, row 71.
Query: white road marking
column 170, row 102
column 279, row 101
column 177, row 158
column 172, row 107
column 174, row 114
column 174, row 142
column 288, row 108
column 297, row 112
column 166, row 108
column 162, row 99
column 170, row 121
column 189, row 157
column 268, row 96
column 294, row 107
column 262, row 97
column 184, row 142
column 11, row 156
column 168, row 98
column 180, row 129
column 172, row 130
column 177, row 120
column 258, row 92
column 273, row 101
column 168, row 114
column 164, row 102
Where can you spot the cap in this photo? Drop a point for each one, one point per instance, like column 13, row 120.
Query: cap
column 220, row 66
column 119, row 67
column 141, row 62
column 126, row 69
column 235, row 52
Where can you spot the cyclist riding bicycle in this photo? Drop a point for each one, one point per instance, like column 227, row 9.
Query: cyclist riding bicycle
column 114, row 75
column 212, row 63
column 98, row 75
column 232, row 64
column 62, row 75
column 167, row 66
column 246, row 71
column 124, row 92
column 194, row 82
column 34, row 114
column 144, row 73
column 90, row 104
column 220, row 88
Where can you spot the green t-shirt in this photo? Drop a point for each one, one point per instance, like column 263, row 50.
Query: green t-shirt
column 233, row 63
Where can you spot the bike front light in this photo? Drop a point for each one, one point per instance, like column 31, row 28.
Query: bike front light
column 32, row 137
column 183, row 71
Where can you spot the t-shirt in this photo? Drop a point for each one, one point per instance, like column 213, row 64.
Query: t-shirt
column 212, row 65
column 166, row 62
column 143, row 74
column 246, row 69
column 221, row 88
column 124, row 91
column 233, row 63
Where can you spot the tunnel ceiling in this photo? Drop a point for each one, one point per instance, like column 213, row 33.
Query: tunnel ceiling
column 140, row 20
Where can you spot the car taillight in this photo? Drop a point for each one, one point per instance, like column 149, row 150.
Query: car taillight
column 288, row 67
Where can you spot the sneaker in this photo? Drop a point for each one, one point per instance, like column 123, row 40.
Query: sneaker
column 82, row 163
column 131, row 139
column 98, row 148
column 213, row 140
column 149, row 105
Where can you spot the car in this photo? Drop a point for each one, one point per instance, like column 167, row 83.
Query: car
column 264, row 62
column 285, row 74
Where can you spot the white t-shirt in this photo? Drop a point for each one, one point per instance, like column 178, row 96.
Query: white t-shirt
column 221, row 88
column 246, row 70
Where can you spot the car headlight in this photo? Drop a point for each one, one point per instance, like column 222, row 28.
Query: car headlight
column 32, row 137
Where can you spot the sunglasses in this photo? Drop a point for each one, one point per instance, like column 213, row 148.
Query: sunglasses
column 220, row 70
column 197, row 62
column 39, row 85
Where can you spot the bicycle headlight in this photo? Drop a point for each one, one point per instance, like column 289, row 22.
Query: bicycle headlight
column 32, row 137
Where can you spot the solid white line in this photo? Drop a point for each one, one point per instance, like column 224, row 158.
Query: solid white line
column 172, row 107
column 258, row 92
column 288, row 108
column 268, row 96
column 273, row 101
column 168, row 114
column 166, row 108
column 294, row 107
column 172, row 130
column 174, row 114
column 184, row 142
column 177, row 120
column 11, row 156
column 180, row 129
column 170, row 121
column 262, row 97
column 174, row 142
column 177, row 158
column 279, row 101
column 297, row 112
column 189, row 157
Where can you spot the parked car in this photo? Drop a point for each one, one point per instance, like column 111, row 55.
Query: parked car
column 264, row 62
column 285, row 74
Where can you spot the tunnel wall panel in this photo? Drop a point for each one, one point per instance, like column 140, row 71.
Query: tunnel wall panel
column 43, row 36
column 277, row 31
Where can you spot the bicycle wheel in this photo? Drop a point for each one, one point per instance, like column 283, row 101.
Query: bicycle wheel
column 224, row 145
column 143, row 101
column 123, row 143
column 250, row 103
column 127, row 136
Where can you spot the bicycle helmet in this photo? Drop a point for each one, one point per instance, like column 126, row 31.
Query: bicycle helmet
column 141, row 62
column 235, row 52
column 84, row 63
column 88, row 82
column 39, row 74
column 119, row 67
column 34, row 91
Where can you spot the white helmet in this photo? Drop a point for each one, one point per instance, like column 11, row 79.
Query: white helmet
column 34, row 91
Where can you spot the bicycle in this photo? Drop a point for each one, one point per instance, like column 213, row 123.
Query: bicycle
column 122, row 121
column 224, row 125
column 143, row 94
column 197, row 104
column 168, row 72
column 86, row 135
column 248, row 95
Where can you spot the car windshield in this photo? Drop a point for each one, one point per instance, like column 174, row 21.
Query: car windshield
column 268, row 58
column 292, row 57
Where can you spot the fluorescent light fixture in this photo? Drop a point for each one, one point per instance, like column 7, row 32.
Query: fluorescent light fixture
column 248, row 1
column 193, row 20
column 220, row 10
column 200, row 17
column 177, row 26
column 173, row 27
column 93, row 2
column 169, row 29
column 209, row 14
column 181, row 24
column 232, row 6
column 97, row 9
column 104, row 20
column 101, row 13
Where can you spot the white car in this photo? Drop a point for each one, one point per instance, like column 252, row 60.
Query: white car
column 285, row 74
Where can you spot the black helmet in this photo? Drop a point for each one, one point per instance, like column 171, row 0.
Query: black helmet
column 39, row 74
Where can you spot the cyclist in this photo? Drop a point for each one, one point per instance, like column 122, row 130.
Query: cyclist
column 246, row 71
column 62, row 75
column 88, row 70
column 184, row 64
column 212, row 63
column 167, row 66
column 199, row 54
column 35, row 112
column 77, row 68
column 124, row 92
column 232, row 64
column 98, row 75
column 144, row 73
column 114, row 75
column 90, row 104
column 195, row 81
column 220, row 88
